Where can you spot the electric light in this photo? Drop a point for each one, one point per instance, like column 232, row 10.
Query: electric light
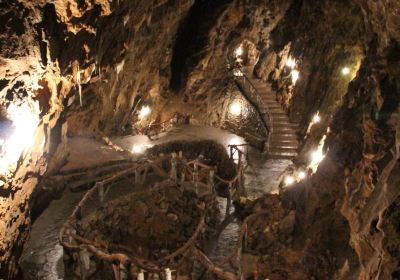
column 289, row 180
column 138, row 149
column 239, row 51
column 317, row 156
column 302, row 175
column 237, row 73
column 295, row 76
column 291, row 63
column 345, row 70
column 25, row 120
column 235, row 108
column 144, row 112
column 316, row 118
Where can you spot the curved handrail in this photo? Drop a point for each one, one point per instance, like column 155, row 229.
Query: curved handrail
column 70, row 239
column 254, row 99
column 156, row 128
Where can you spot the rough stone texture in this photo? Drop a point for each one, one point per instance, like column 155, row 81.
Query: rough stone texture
column 122, row 53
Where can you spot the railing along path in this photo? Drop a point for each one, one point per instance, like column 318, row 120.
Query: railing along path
column 125, row 263
column 250, row 92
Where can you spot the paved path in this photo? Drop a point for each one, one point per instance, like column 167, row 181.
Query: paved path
column 42, row 256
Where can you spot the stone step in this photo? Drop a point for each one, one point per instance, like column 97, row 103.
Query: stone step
column 272, row 104
column 278, row 142
column 279, row 124
column 282, row 150
column 281, row 137
column 267, row 97
column 274, row 155
column 283, row 130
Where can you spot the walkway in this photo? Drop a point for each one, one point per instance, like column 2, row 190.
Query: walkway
column 42, row 256
column 283, row 141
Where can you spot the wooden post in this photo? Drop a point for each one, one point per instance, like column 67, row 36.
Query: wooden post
column 123, row 272
column 240, row 157
column 195, row 176
column 173, row 174
column 211, row 180
column 101, row 192
column 168, row 274
column 140, row 275
column 228, row 200
column 84, row 260
column 137, row 176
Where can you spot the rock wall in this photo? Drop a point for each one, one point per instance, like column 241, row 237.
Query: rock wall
column 346, row 207
column 89, row 66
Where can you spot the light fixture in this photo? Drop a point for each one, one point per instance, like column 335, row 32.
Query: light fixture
column 239, row 51
column 137, row 149
column 289, row 180
column 316, row 118
column 301, row 175
column 25, row 120
column 317, row 156
column 345, row 70
column 144, row 112
column 235, row 108
column 295, row 76
column 291, row 63
column 237, row 73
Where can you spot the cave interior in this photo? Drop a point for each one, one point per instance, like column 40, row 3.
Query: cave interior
column 200, row 139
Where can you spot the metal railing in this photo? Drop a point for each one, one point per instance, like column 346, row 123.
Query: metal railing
column 154, row 129
column 124, row 262
column 250, row 92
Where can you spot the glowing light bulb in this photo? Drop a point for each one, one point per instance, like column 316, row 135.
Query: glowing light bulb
column 345, row 70
column 316, row 118
column 289, row 180
column 144, row 112
column 137, row 149
column 317, row 156
column 239, row 51
column 302, row 175
column 24, row 120
column 235, row 108
column 295, row 76
column 291, row 63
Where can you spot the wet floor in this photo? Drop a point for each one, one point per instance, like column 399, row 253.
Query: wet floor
column 43, row 256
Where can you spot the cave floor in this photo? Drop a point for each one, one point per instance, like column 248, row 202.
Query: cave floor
column 42, row 256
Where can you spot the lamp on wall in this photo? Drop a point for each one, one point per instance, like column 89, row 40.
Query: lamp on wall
column 235, row 108
column 144, row 112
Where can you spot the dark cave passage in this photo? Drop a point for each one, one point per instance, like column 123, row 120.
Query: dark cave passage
column 192, row 38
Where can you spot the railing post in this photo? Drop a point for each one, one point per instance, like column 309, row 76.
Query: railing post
column 140, row 275
column 168, row 274
column 137, row 176
column 228, row 200
column 173, row 174
column 240, row 157
column 211, row 180
column 123, row 272
column 101, row 192
column 84, row 258
column 195, row 176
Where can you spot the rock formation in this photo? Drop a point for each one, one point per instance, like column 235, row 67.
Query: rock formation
column 86, row 68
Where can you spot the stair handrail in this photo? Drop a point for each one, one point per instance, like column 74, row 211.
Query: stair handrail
column 254, row 99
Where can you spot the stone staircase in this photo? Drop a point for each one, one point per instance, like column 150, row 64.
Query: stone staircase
column 283, row 141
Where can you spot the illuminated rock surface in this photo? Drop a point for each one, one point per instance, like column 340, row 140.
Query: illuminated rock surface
column 88, row 68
